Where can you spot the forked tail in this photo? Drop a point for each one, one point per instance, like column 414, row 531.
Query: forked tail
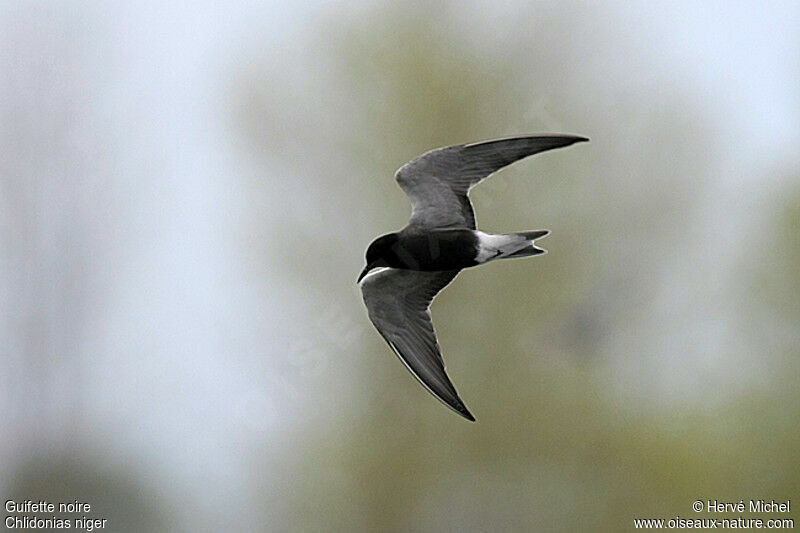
column 510, row 245
column 529, row 248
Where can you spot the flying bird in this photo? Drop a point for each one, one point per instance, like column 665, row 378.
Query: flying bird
column 407, row 269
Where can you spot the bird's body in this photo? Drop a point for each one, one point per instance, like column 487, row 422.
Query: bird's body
column 450, row 249
column 405, row 270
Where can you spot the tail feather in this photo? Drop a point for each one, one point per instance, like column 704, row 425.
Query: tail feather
column 535, row 234
column 526, row 252
column 502, row 246
column 530, row 249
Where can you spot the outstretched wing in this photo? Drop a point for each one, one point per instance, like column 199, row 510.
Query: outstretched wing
column 438, row 181
column 398, row 304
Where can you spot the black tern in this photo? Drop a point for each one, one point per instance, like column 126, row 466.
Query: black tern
column 407, row 269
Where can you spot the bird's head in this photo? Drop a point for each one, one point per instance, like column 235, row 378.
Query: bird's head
column 378, row 253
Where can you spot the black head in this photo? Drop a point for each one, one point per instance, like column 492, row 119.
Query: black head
column 379, row 252
column 381, row 247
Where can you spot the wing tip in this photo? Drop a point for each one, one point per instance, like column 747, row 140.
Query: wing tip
column 459, row 407
column 573, row 139
column 466, row 414
column 568, row 138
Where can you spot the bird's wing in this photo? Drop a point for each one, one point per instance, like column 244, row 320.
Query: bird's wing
column 398, row 304
column 438, row 181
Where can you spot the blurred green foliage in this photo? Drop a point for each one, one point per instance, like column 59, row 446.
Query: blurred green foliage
column 116, row 493
column 559, row 445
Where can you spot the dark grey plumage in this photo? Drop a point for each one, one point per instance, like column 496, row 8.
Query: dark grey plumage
column 398, row 295
column 398, row 304
column 438, row 181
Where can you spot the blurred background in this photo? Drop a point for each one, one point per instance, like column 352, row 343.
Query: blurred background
column 186, row 194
